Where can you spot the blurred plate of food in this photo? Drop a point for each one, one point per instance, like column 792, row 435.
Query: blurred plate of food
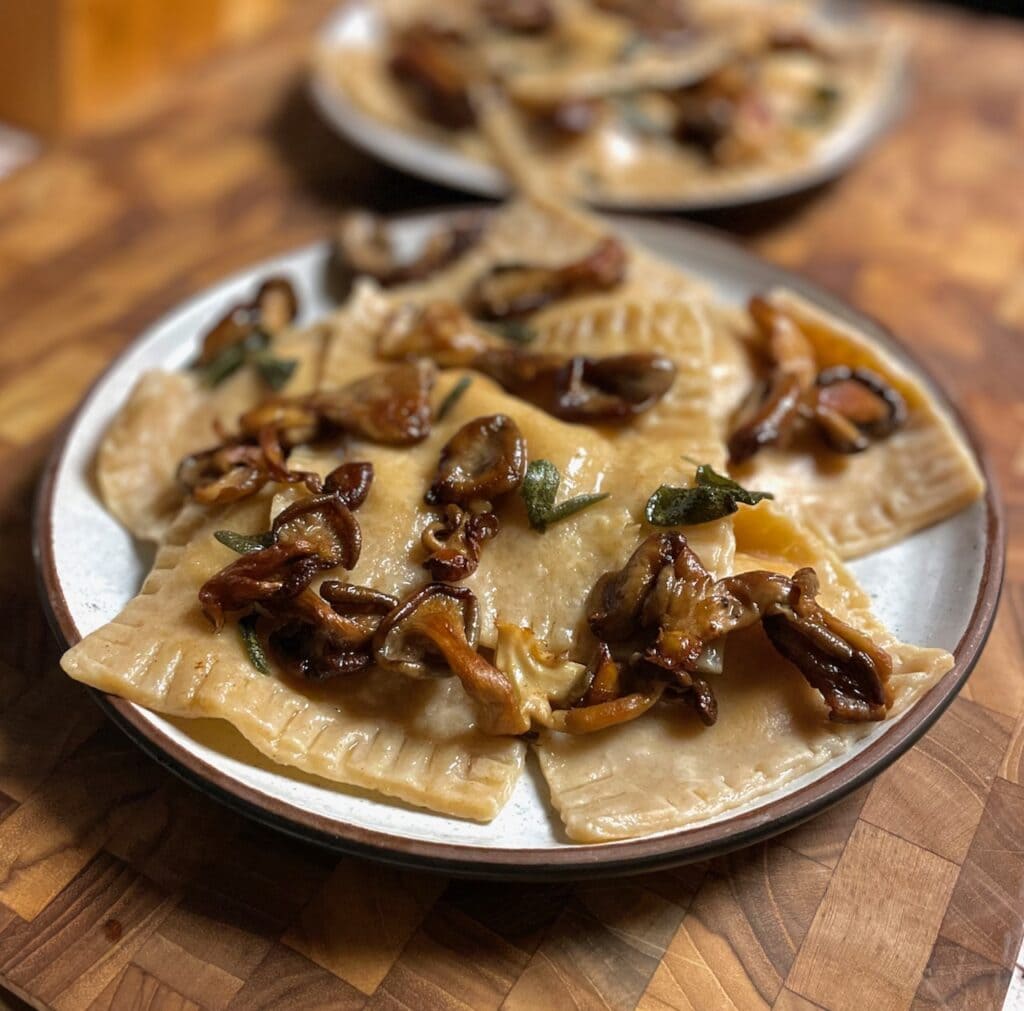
column 621, row 103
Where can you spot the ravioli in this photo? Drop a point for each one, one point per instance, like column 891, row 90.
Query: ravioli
column 668, row 771
column 544, row 232
column 524, row 577
column 169, row 415
column 413, row 740
column 919, row 475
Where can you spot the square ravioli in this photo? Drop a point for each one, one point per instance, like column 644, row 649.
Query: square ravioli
column 862, row 501
column 668, row 771
column 415, row 741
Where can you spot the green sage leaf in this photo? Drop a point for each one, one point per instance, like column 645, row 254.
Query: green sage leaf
column 713, row 497
column 228, row 361
column 707, row 477
column 539, row 489
column 244, row 544
column 452, row 397
column 253, row 646
column 677, row 507
column 275, row 372
column 515, row 331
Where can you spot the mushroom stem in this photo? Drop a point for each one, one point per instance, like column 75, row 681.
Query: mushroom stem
column 492, row 690
column 588, row 719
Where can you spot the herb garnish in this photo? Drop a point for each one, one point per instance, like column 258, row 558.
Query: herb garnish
column 637, row 119
column 713, row 497
column 452, row 397
column 824, row 101
column 244, row 544
column 275, row 371
column 539, row 488
column 251, row 641
column 513, row 330
column 254, row 348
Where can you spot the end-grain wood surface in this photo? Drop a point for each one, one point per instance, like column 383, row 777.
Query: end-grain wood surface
column 122, row 888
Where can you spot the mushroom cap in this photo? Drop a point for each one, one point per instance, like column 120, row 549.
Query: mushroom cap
column 323, row 526
column 391, row 406
column 404, row 641
column 351, row 482
column 484, row 459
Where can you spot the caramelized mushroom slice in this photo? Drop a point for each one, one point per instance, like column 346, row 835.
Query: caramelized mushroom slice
column 513, row 290
column 320, row 637
column 702, row 699
column 293, row 420
column 484, row 459
column 453, row 544
column 690, row 610
column 440, row 331
column 842, row 663
column 322, row 526
column 274, row 306
column 350, row 482
column 852, row 406
column 432, row 64
column 611, row 389
column 606, row 682
column 579, row 389
column 274, row 573
column 565, row 118
column 619, row 598
column 391, row 406
column 590, row 719
column 433, row 633
column 364, row 244
column 788, row 349
column 524, row 17
column 350, row 599
column 771, row 422
column 224, row 474
column 849, row 406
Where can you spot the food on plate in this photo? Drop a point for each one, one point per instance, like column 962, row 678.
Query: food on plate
column 535, row 489
column 620, row 101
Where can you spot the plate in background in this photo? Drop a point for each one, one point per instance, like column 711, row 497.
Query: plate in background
column 358, row 25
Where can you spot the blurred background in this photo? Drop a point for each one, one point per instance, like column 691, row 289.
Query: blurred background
column 66, row 65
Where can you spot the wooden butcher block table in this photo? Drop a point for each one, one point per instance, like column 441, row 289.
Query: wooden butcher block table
column 120, row 887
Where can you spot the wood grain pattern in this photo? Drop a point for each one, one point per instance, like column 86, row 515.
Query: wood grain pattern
column 877, row 922
column 122, row 888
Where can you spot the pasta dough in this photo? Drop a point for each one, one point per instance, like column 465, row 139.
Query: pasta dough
column 920, row 474
column 416, row 741
column 666, row 770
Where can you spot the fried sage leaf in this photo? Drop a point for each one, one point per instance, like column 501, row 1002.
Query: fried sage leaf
column 244, row 544
column 708, row 477
column 515, row 331
column 251, row 641
column 229, row 361
column 452, row 397
column 539, row 489
column 275, row 372
column 713, row 497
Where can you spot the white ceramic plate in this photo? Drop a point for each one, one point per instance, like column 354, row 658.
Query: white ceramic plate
column 357, row 25
column 938, row 587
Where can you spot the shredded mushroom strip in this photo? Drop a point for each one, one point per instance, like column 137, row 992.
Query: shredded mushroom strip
column 849, row 408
